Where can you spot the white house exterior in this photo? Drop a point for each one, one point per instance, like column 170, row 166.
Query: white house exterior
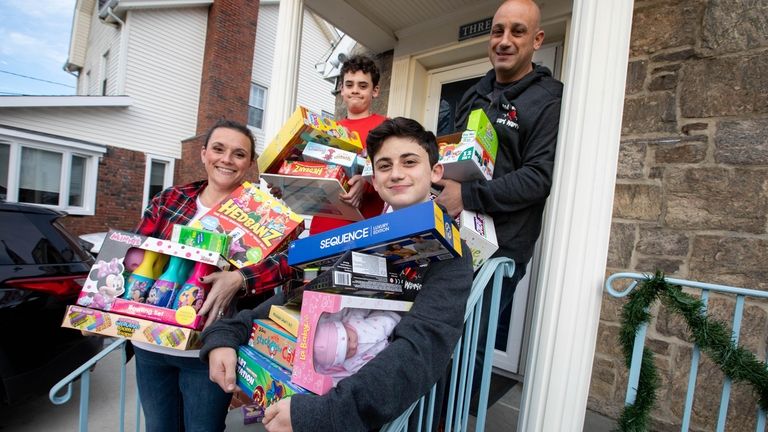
column 139, row 67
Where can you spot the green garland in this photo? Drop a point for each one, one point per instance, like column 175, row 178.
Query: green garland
column 712, row 337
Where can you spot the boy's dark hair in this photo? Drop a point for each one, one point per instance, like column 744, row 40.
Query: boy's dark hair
column 361, row 63
column 231, row 124
column 403, row 128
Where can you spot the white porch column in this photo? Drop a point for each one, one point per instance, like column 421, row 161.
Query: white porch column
column 575, row 240
column 281, row 99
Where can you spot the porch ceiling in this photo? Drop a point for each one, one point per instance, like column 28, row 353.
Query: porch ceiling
column 380, row 24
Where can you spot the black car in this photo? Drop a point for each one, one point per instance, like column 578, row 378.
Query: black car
column 42, row 269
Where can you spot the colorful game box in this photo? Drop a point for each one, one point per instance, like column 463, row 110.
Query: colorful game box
column 481, row 130
column 410, row 236
column 257, row 223
column 313, row 188
column 116, row 325
column 330, row 155
column 302, row 127
column 107, row 281
column 479, row 232
column 200, row 238
column 467, row 160
column 314, row 305
column 273, row 342
column 286, row 317
column 262, row 380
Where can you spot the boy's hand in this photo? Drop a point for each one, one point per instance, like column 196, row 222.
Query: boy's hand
column 221, row 367
column 355, row 194
column 277, row 417
column 275, row 191
column 450, row 197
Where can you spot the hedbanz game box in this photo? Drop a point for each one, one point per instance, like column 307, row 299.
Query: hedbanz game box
column 257, row 223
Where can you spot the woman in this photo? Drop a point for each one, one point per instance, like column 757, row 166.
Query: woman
column 174, row 388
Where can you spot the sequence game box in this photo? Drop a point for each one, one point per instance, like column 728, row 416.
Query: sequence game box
column 411, row 236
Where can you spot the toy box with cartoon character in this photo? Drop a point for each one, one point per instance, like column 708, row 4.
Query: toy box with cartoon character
column 313, row 188
column 319, row 305
column 273, row 341
column 354, row 273
column 302, row 127
column 286, row 317
column 411, row 236
column 479, row 232
column 257, row 223
column 110, row 285
column 330, row 155
column 138, row 329
column 262, row 380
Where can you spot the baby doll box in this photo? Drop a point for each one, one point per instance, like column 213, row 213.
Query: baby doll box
column 313, row 188
column 329, row 155
column 313, row 306
column 273, row 342
column 257, row 223
column 106, row 281
column 286, row 317
column 354, row 274
column 411, row 236
column 138, row 329
column 467, row 160
column 262, row 380
column 302, row 127
column 479, row 232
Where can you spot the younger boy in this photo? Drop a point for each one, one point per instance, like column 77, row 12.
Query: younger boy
column 404, row 158
column 359, row 86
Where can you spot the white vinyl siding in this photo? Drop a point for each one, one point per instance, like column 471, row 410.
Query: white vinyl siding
column 313, row 92
column 103, row 38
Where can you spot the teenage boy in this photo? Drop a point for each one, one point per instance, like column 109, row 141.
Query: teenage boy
column 359, row 86
column 404, row 158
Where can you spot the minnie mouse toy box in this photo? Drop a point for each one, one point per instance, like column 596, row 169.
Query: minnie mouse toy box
column 144, row 288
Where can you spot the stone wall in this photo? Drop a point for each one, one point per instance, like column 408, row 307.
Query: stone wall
column 692, row 191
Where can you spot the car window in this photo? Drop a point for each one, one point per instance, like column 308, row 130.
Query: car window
column 33, row 239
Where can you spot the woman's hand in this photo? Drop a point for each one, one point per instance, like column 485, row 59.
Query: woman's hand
column 355, row 194
column 224, row 286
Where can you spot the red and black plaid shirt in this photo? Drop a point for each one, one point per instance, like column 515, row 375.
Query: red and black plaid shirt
column 178, row 205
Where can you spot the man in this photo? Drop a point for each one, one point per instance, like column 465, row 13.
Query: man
column 522, row 100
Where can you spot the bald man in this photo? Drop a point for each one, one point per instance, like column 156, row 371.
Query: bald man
column 522, row 100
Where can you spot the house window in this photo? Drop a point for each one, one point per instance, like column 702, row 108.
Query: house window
column 48, row 171
column 158, row 176
column 256, row 105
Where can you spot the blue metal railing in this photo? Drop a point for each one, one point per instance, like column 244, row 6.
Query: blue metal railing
column 462, row 366
column 637, row 350
column 84, row 374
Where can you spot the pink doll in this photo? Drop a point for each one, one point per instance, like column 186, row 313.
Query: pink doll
column 346, row 341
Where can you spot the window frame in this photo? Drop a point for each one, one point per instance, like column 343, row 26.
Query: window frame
column 263, row 109
column 67, row 148
column 167, row 177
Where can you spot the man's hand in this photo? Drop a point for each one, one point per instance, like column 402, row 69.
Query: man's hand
column 277, row 418
column 221, row 367
column 355, row 194
column 450, row 197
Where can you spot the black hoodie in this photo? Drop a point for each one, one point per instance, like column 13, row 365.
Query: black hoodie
column 526, row 116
